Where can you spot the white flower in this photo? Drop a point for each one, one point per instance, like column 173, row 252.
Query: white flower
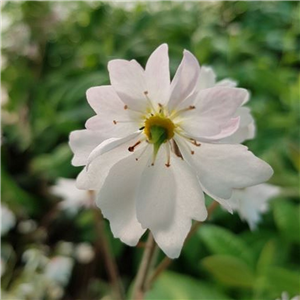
column 59, row 269
column 252, row 201
column 8, row 219
column 73, row 198
column 154, row 147
column 84, row 253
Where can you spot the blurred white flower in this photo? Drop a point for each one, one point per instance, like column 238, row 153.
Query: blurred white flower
column 34, row 259
column 65, row 248
column 27, row 226
column 285, row 296
column 8, row 219
column 84, row 253
column 73, row 198
column 252, row 201
column 154, row 146
column 59, row 269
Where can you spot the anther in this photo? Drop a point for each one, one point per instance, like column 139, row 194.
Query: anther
column 192, row 107
column 194, row 142
column 160, row 105
column 192, row 152
column 125, row 107
column 146, row 92
column 141, row 128
column 167, row 165
column 115, row 122
column 131, row 148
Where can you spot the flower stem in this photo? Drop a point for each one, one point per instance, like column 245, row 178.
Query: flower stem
column 110, row 263
column 164, row 264
column 142, row 275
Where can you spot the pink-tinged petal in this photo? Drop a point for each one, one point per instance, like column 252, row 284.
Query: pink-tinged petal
column 214, row 109
column 185, row 80
column 222, row 168
column 116, row 199
column 158, row 75
column 155, row 199
column 82, row 143
column 128, row 80
column 93, row 177
column 113, row 118
column 246, row 130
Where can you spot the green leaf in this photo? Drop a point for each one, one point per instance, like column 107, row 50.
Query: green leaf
column 222, row 241
column 176, row 286
column 229, row 270
column 280, row 279
column 287, row 219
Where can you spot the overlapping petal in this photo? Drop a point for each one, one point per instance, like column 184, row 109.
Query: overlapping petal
column 113, row 118
column 128, row 80
column 222, row 168
column 93, row 176
column 185, row 80
column 117, row 199
column 82, row 143
column 214, row 109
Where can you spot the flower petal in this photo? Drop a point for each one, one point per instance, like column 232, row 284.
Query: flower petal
column 158, row 75
column 189, row 194
column 82, row 143
column 185, row 79
column 109, row 145
column 206, row 79
column 222, row 168
column 155, row 198
column 246, row 130
column 214, row 108
column 128, row 80
column 113, row 118
column 170, row 237
column 118, row 204
column 227, row 82
column 93, row 177
column 252, row 201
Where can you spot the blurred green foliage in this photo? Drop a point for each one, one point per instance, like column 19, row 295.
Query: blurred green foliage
column 54, row 51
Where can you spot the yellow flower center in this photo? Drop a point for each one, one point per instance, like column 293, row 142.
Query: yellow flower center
column 161, row 125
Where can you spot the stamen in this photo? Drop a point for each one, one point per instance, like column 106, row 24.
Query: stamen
column 131, row 148
column 168, row 155
column 176, row 149
column 137, row 158
column 122, row 121
column 194, row 142
column 149, row 101
column 175, row 113
column 125, row 106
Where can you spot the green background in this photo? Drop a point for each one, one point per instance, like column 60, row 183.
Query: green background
column 54, row 51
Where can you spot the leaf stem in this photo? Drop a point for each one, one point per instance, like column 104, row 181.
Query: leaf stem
column 142, row 275
column 110, row 263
